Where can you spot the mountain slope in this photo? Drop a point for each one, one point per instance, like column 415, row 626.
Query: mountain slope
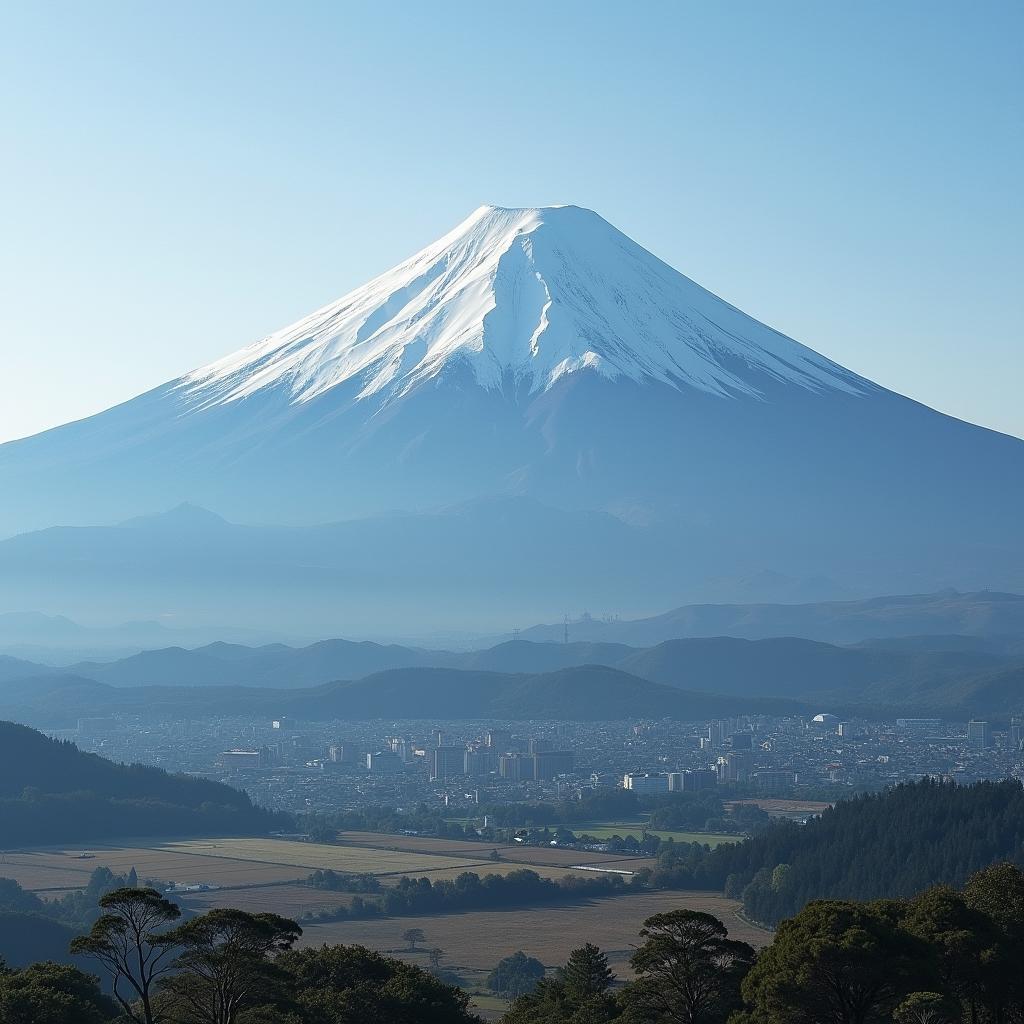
column 52, row 792
column 532, row 365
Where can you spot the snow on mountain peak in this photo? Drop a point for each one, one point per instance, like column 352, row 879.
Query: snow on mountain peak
column 523, row 297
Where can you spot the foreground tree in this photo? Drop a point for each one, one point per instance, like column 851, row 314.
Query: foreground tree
column 226, row 966
column 354, row 985
column 49, row 993
column 580, row 994
column 586, row 974
column 688, row 971
column 836, row 963
column 515, row 975
column 926, row 1008
column 997, row 892
column 128, row 941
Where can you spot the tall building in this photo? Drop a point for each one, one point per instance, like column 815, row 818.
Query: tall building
column 979, row 734
column 735, row 766
column 538, row 746
column 479, row 762
column 645, row 783
column 384, row 762
column 447, row 762
column 499, row 740
column 692, row 781
column 1016, row 733
column 742, row 741
column 549, row 763
column 516, row 767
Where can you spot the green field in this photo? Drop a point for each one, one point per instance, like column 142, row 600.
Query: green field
column 607, row 829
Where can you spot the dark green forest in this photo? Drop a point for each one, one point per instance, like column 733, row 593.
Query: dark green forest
column 50, row 792
column 889, row 844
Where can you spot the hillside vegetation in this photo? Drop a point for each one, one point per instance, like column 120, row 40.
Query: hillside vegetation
column 50, row 792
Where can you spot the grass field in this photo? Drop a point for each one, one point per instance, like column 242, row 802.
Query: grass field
column 475, row 941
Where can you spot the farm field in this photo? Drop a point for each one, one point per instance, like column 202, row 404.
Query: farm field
column 475, row 941
column 476, row 851
column 779, row 808
column 240, row 863
column 607, row 829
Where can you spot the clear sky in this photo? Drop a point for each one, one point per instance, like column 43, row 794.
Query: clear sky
column 179, row 179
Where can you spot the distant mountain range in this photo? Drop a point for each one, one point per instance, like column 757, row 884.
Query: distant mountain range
column 956, row 675
column 533, row 413
column 985, row 614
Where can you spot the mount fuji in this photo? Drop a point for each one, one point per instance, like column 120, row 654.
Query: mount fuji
column 535, row 409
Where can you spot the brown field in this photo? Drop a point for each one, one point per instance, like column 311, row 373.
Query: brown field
column 476, row 940
column 316, row 855
column 252, row 862
column 289, row 900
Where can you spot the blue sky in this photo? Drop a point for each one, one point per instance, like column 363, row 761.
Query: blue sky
column 180, row 179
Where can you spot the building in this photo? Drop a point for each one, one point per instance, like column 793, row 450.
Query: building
column 1016, row 734
column 645, row 783
column 538, row 746
column 735, row 766
column 691, row 782
column 919, row 724
column 773, row 781
column 384, row 762
column 516, row 767
column 499, row 740
column 479, row 762
column 549, row 763
column 241, row 759
column 979, row 735
column 447, row 762
column 742, row 741
column 342, row 753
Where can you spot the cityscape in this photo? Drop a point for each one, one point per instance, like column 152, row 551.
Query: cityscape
column 332, row 766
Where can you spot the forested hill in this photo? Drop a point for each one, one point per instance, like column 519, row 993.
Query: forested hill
column 890, row 844
column 50, row 791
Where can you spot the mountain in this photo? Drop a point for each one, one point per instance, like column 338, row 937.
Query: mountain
column 589, row 692
column 962, row 681
column 534, row 389
column 50, row 791
column 982, row 614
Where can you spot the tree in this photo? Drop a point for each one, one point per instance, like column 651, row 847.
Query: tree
column 586, row 974
column 515, row 975
column 126, row 940
column 435, row 957
column 49, row 993
column 226, row 964
column 688, row 970
column 963, row 942
column 997, row 892
column 354, row 985
column 412, row 936
column 926, row 1008
column 836, row 963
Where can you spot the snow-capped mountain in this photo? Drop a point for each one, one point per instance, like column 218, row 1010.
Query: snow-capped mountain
column 522, row 298
column 562, row 420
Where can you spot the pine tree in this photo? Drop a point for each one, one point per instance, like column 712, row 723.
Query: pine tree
column 586, row 973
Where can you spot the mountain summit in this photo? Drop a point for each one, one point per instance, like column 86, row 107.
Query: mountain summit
column 534, row 413
column 523, row 297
